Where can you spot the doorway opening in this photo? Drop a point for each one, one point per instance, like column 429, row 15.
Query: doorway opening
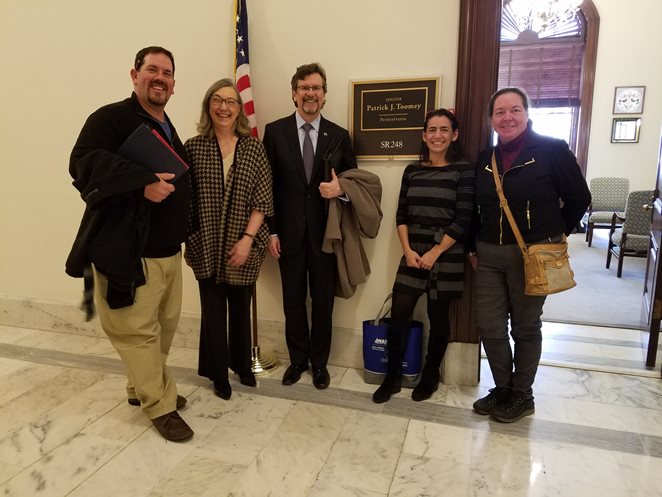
column 551, row 55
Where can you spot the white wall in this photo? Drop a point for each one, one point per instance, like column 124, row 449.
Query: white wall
column 628, row 55
column 62, row 60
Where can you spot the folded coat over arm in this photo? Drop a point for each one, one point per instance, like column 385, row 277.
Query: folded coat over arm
column 347, row 222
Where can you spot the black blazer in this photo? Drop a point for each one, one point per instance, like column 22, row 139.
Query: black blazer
column 298, row 206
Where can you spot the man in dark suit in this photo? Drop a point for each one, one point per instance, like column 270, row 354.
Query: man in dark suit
column 306, row 152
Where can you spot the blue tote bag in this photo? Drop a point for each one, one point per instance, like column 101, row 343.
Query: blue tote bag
column 375, row 343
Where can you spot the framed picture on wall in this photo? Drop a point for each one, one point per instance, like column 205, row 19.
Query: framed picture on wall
column 629, row 99
column 625, row 130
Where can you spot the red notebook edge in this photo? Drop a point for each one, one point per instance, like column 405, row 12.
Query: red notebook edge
column 156, row 133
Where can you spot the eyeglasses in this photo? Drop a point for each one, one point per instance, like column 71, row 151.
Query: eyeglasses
column 218, row 101
column 306, row 89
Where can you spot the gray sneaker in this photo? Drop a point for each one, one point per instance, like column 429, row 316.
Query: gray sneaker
column 514, row 409
column 488, row 403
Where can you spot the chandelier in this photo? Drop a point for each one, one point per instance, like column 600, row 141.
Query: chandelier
column 543, row 17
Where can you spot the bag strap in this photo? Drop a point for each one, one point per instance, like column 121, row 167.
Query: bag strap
column 383, row 310
column 506, row 208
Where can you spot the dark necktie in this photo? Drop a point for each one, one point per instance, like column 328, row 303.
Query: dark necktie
column 308, row 153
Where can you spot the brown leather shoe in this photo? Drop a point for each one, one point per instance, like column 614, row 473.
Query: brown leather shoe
column 172, row 427
column 181, row 402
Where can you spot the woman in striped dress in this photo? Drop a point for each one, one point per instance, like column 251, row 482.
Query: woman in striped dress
column 434, row 213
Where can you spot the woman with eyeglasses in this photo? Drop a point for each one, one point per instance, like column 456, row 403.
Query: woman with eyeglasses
column 231, row 186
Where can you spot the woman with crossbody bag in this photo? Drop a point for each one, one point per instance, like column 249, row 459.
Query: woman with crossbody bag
column 547, row 195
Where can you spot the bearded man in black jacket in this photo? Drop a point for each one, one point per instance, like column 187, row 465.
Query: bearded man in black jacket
column 130, row 236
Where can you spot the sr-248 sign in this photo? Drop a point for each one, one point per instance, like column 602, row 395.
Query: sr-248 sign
column 391, row 144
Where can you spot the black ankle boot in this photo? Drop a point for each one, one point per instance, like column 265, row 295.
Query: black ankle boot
column 393, row 381
column 223, row 389
column 248, row 379
column 428, row 384
column 392, row 384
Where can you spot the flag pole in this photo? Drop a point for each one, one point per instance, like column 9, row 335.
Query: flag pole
column 261, row 362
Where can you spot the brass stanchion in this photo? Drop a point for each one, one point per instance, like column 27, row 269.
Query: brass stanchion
column 261, row 362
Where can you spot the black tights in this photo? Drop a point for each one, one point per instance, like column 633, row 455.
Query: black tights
column 402, row 307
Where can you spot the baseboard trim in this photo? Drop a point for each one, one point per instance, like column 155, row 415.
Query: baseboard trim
column 346, row 348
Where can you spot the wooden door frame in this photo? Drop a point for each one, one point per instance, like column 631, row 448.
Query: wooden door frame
column 652, row 293
column 477, row 71
column 587, row 81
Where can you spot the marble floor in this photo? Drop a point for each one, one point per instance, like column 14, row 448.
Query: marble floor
column 67, row 430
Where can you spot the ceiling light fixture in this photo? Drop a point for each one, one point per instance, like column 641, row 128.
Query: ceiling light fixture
column 541, row 16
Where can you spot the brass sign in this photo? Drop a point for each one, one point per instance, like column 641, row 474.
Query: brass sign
column 386, row 117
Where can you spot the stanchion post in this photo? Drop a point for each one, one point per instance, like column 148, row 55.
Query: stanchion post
column 261, row 362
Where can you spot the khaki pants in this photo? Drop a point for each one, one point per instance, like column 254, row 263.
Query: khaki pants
column 142, row 333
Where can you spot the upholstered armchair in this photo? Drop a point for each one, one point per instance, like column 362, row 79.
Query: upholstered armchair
column 633, row 237
column 608, row 195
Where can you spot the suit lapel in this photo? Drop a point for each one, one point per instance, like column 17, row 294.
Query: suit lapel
column 292, row 136
column 323, row 139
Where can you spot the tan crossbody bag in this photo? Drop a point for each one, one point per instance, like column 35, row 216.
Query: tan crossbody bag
column 546, row 265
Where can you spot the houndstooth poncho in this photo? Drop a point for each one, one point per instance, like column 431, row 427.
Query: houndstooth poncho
column 223, row 211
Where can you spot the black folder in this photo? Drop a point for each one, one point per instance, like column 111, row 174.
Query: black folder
column 146, row 147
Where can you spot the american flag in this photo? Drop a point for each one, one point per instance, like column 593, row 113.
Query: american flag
column 241, row 67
